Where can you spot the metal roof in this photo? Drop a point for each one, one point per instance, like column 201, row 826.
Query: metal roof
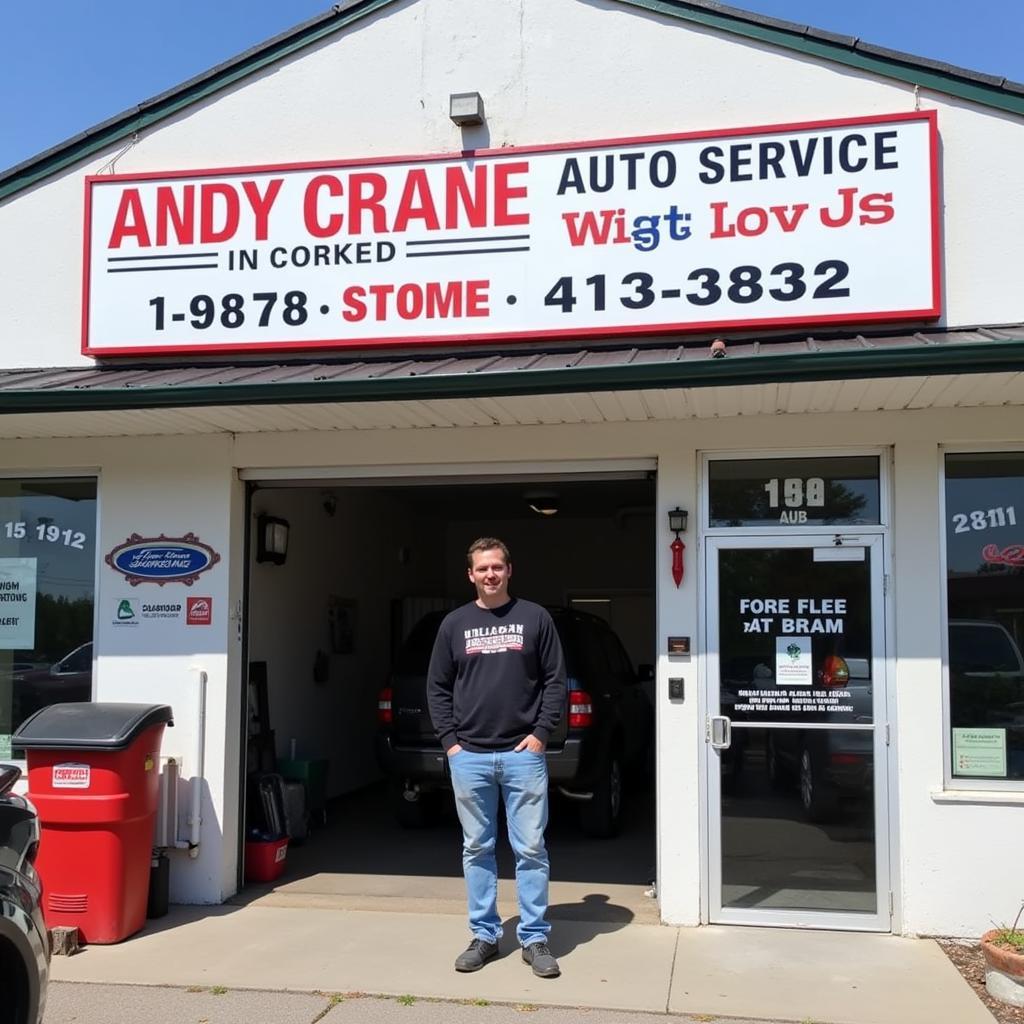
column 533, row 371
column 987, row 90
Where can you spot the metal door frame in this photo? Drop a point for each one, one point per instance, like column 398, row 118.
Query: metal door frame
column 875, row 541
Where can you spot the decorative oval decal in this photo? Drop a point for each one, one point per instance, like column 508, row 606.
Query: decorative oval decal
column 162, row 559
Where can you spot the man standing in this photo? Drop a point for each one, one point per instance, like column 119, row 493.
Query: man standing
column 496, row 690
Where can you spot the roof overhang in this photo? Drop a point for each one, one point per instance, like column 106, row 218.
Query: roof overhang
column 979, row 367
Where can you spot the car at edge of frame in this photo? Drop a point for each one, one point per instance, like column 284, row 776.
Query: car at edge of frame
column 24, row 944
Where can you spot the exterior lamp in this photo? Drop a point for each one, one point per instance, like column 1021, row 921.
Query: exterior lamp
column 677, row 518
column 466, row 109
column 271, row 539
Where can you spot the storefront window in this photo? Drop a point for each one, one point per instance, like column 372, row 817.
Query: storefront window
column 985, row 589
column 47, row 586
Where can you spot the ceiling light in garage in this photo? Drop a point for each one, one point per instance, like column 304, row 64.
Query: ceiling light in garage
column 544, row 503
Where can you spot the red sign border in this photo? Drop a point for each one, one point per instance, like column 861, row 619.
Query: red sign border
column 274, row 347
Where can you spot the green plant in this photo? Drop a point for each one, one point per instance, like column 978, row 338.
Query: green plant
column 218, row 990
column 1012, row 937
column 407, row 1000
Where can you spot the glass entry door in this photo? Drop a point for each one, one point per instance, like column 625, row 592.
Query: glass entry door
column 796, row 732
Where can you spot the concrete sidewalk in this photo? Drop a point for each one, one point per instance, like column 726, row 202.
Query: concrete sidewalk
column 746, row 973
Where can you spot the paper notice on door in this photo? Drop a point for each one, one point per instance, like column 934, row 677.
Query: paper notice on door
column 17, row 604
column 793, row 665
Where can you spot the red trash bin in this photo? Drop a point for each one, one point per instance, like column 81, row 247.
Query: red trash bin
column 93, row 776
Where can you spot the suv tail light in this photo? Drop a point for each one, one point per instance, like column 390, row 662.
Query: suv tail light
column 581, row 709
column 384, row 713
column 834, row 672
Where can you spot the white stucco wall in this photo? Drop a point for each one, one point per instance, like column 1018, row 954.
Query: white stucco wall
column 543, row 70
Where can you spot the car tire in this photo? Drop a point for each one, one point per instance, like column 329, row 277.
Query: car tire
column 414, row 814
column 18, row 997
column 601, row 815
column 820, row 800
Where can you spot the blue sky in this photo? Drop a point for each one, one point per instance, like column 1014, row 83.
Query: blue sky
column 66, row 65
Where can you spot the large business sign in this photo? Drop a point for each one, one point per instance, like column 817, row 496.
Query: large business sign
column 801, row 224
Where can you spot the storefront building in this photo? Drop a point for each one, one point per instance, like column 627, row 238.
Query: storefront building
column 644, row 256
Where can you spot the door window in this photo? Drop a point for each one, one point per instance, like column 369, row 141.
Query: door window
column 795, row 492
column 795, row 638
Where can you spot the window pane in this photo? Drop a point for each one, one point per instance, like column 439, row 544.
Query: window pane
column 47, row 570
column 985, row 587
column 824, row 491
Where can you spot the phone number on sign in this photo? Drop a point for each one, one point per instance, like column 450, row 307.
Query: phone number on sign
column 742, row 285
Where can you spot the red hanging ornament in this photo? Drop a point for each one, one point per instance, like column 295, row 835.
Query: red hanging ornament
column 678, row 547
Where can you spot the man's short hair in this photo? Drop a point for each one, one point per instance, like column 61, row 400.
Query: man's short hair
column 487, row 544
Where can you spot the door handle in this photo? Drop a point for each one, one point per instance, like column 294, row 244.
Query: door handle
column 721, row 732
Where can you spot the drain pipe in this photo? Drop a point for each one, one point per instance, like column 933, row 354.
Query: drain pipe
column 195, row 819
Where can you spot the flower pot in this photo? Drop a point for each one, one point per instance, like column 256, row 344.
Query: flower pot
column 1004, row 971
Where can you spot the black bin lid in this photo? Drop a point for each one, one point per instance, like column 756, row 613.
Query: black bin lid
column 89, row 725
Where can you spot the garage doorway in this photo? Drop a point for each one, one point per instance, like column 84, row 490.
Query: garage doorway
column 368, row 559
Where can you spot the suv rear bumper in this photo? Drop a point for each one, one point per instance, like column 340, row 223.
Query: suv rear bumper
column 429, row 766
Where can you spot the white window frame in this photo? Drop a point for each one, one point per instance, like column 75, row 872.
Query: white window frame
column 884, row 456
column 884, row 529
column 951, row 782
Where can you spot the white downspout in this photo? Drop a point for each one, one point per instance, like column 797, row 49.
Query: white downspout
column 195, row 819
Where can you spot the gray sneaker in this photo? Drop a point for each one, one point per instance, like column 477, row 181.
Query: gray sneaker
column 541, row 959
column 477, row 953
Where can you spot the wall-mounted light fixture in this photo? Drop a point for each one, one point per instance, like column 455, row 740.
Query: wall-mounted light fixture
column 677, row 518
column 466, row 109
column 271, row 539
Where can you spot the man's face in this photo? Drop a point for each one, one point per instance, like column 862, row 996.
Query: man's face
column 490, row 574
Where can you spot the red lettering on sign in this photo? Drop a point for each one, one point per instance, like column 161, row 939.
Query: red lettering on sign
column 310, row 203
column 435, row 300
column 372, row 201
column 261, row 204
column 168, row 213
column 208, row 204
column 416, row 203
column 129, row 221
column 458, row 193
column 1012, row 554
column 503, row 194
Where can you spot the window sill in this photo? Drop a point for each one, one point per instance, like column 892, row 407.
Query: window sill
column 977, row 796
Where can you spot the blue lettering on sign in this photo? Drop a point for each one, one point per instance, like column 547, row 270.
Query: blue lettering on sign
column 162, row 562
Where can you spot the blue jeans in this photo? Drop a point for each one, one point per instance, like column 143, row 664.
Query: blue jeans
column 522, row 781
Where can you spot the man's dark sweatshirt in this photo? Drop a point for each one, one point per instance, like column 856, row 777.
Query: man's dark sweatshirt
column 496, row 675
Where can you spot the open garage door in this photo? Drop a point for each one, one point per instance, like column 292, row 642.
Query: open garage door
column 339, row 631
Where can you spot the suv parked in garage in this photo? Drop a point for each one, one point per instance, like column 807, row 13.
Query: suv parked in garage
column 605, row 731
column 24, row 949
